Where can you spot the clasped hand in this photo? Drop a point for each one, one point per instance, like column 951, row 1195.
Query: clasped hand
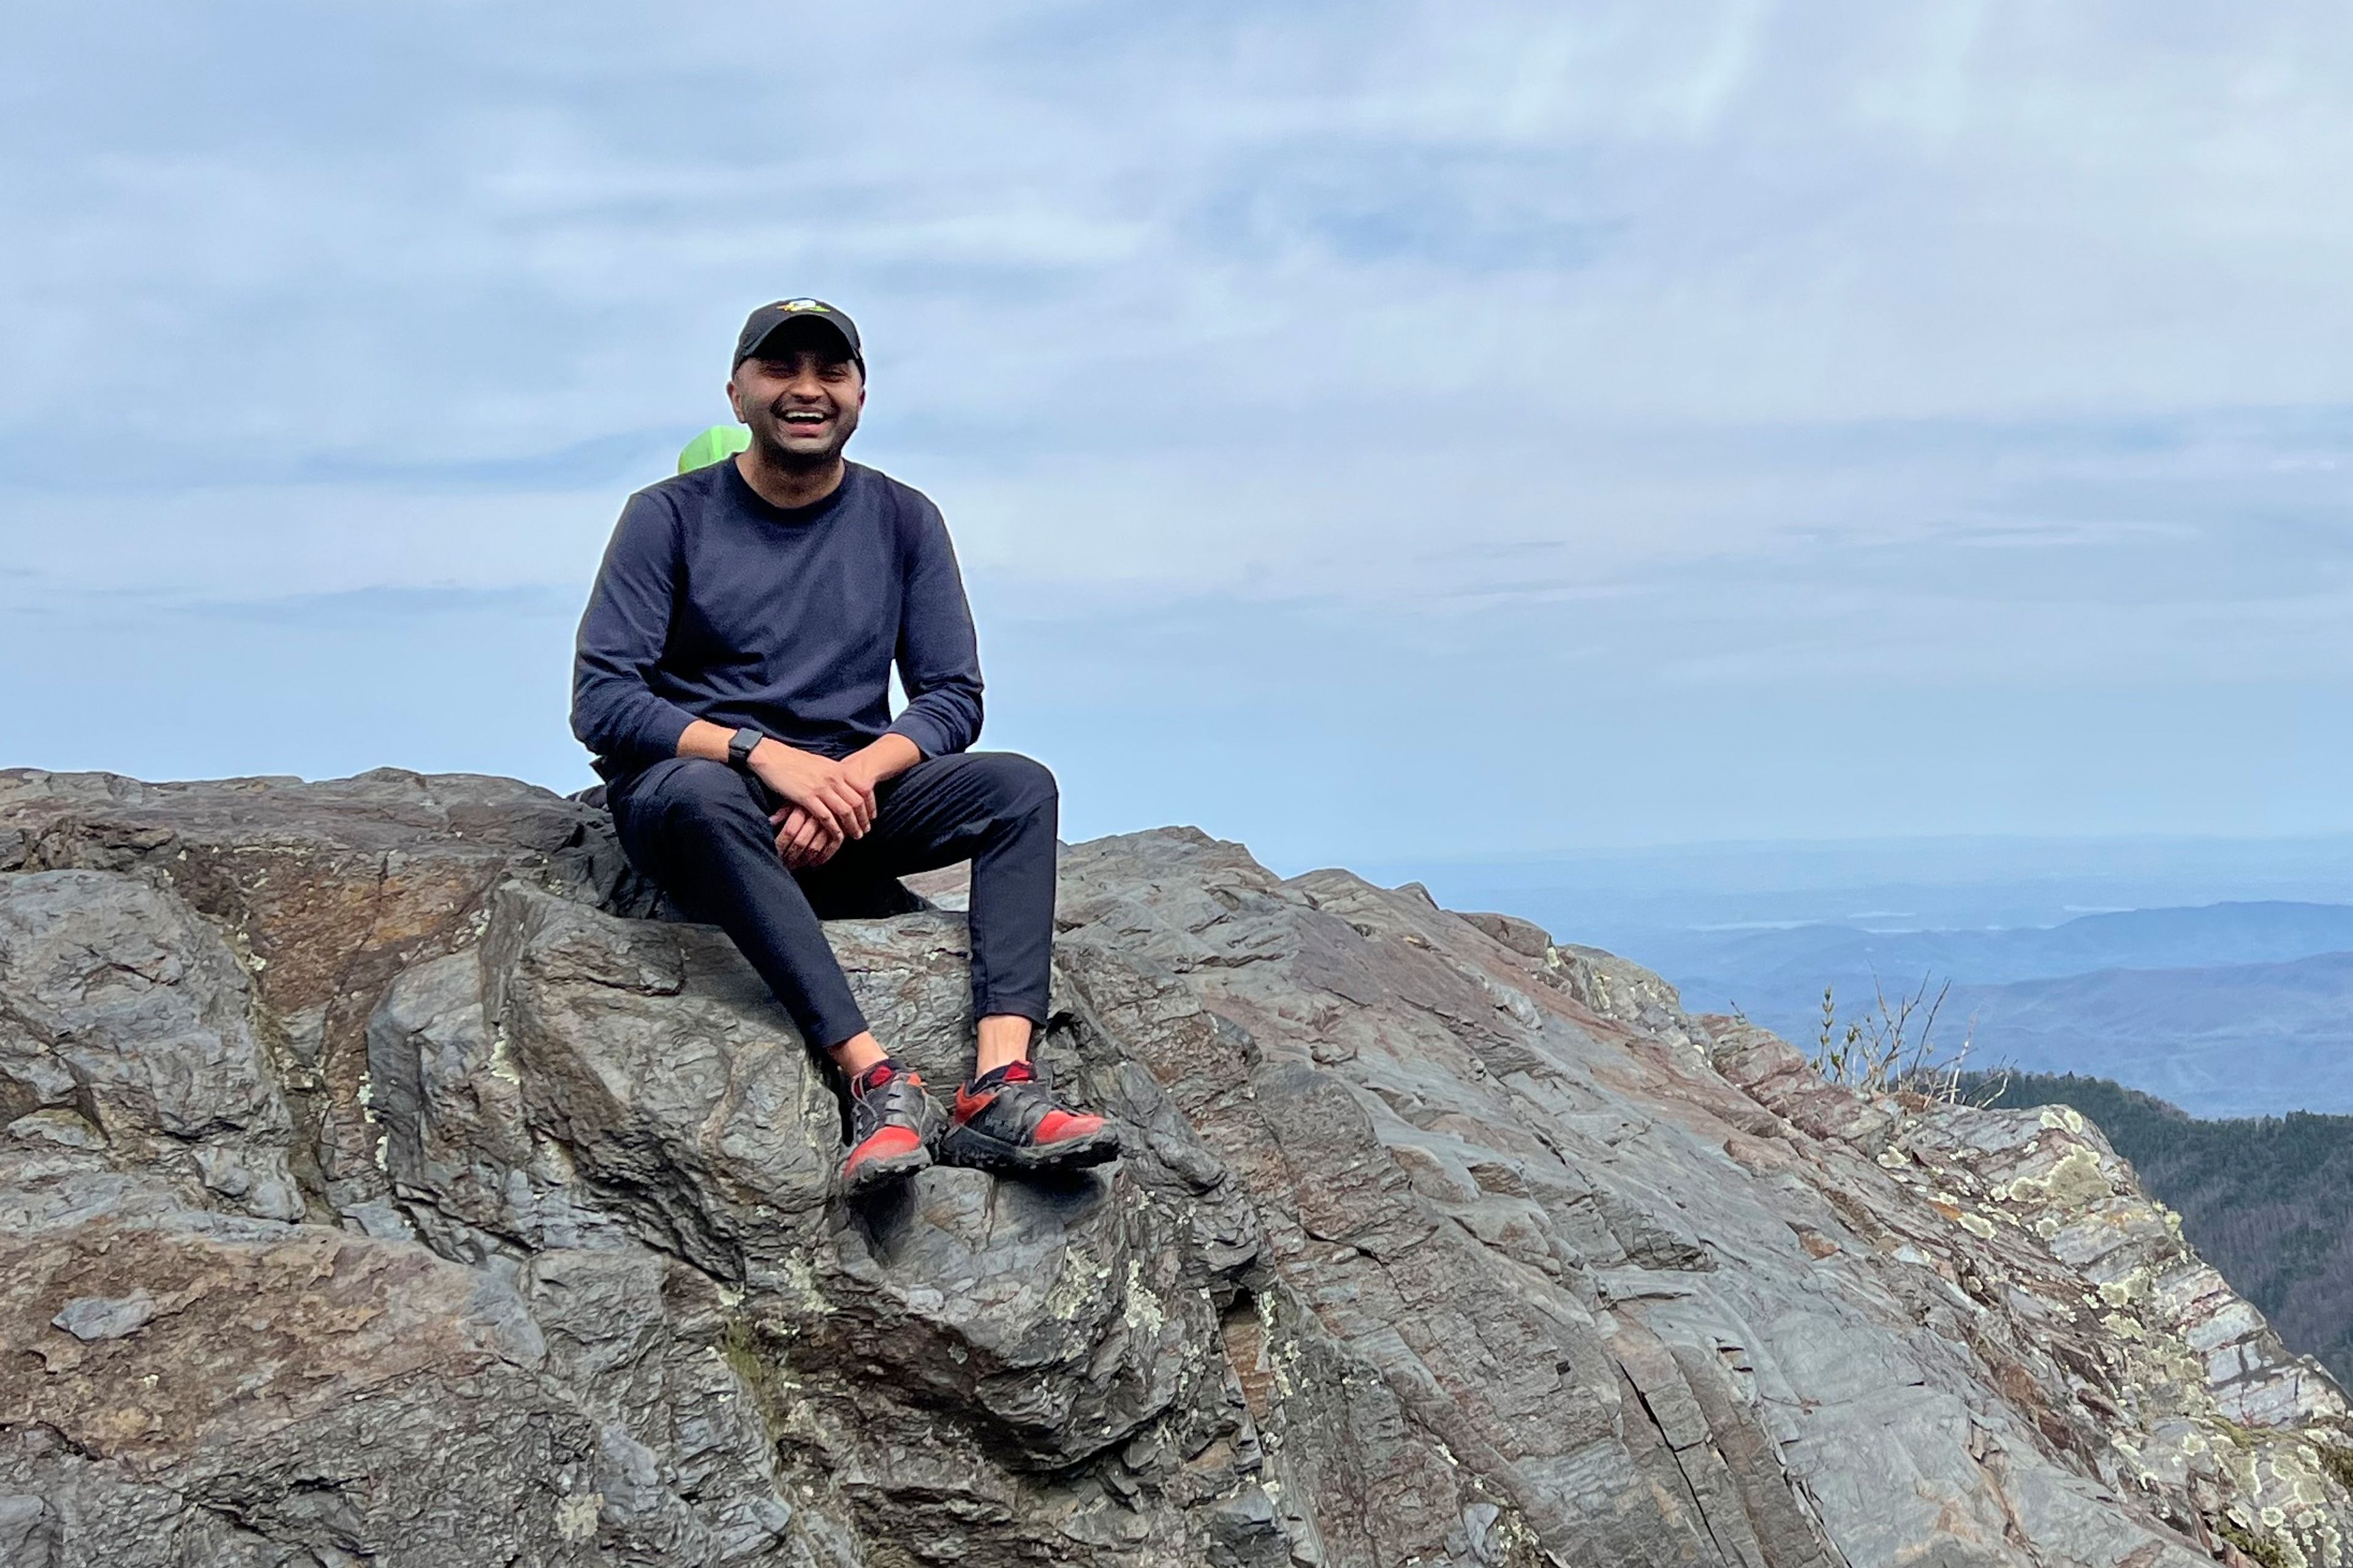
column 826, row 803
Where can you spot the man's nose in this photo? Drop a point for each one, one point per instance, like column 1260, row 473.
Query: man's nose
column 804, row 383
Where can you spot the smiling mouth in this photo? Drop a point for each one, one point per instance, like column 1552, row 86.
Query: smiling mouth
column 806, row 416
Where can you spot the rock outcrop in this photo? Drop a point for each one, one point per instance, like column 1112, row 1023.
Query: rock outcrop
column 378, row 1185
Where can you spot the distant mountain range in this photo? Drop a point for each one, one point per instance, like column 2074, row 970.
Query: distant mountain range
column 2227, row 1009
column 2250, row 1039
column 2268, row 1201
column 1621, row 899
column 1722, row 967
column 2209, row 970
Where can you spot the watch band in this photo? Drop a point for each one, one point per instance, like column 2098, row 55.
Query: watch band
column 739, row 747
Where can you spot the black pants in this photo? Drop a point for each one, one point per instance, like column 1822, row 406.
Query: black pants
column 700, row 830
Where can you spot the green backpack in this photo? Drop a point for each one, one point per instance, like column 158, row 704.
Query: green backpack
column 715, row 445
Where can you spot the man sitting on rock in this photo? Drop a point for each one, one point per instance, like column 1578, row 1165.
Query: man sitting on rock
column 733, row 678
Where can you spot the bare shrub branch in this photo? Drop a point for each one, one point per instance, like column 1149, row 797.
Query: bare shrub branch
column 1893, row 1046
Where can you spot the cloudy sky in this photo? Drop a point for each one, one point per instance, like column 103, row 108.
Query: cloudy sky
column 1370, row 430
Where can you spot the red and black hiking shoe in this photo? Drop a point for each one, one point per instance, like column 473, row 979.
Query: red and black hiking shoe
column 1008, row 1119
column 893, row 1121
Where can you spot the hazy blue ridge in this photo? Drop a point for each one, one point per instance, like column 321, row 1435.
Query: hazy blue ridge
column 2267, row 1201
column 1632, row 900
column 2246, row 1040
column 2209, row 970
column 1775, row 965
column 2232, row 1009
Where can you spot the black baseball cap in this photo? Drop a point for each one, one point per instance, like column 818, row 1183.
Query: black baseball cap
column 769, row 319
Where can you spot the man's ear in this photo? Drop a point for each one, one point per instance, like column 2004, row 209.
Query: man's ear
column 737, row 408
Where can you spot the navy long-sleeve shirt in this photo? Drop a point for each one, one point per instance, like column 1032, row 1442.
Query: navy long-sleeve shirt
column 712, row 604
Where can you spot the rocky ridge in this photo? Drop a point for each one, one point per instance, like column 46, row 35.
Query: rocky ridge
column 379, row 1184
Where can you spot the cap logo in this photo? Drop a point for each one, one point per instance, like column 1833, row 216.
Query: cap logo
column 802, row 305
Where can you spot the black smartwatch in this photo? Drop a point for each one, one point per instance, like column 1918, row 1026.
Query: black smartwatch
column 739, row 748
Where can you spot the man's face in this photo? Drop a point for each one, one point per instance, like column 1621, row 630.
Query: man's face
column 801, row 400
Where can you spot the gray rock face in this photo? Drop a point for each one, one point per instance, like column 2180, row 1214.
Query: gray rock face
column 374, row 1188
column 324, row 892
column 125, row 1022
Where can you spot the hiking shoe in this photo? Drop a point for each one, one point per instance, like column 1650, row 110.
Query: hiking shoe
column 893, row 1124
column 1008, row 1119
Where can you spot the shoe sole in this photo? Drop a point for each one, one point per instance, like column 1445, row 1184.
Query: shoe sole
column 884, row 1169
column 980, row 1152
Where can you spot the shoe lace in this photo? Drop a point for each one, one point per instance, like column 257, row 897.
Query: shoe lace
column 887, row 1096
column 1016, row 1103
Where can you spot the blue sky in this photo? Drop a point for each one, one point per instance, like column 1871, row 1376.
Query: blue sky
column 1370, row 431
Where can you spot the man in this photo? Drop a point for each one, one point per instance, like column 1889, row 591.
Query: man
column 733, row 678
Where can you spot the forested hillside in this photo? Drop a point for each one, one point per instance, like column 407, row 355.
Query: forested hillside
column 2269, row 1200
